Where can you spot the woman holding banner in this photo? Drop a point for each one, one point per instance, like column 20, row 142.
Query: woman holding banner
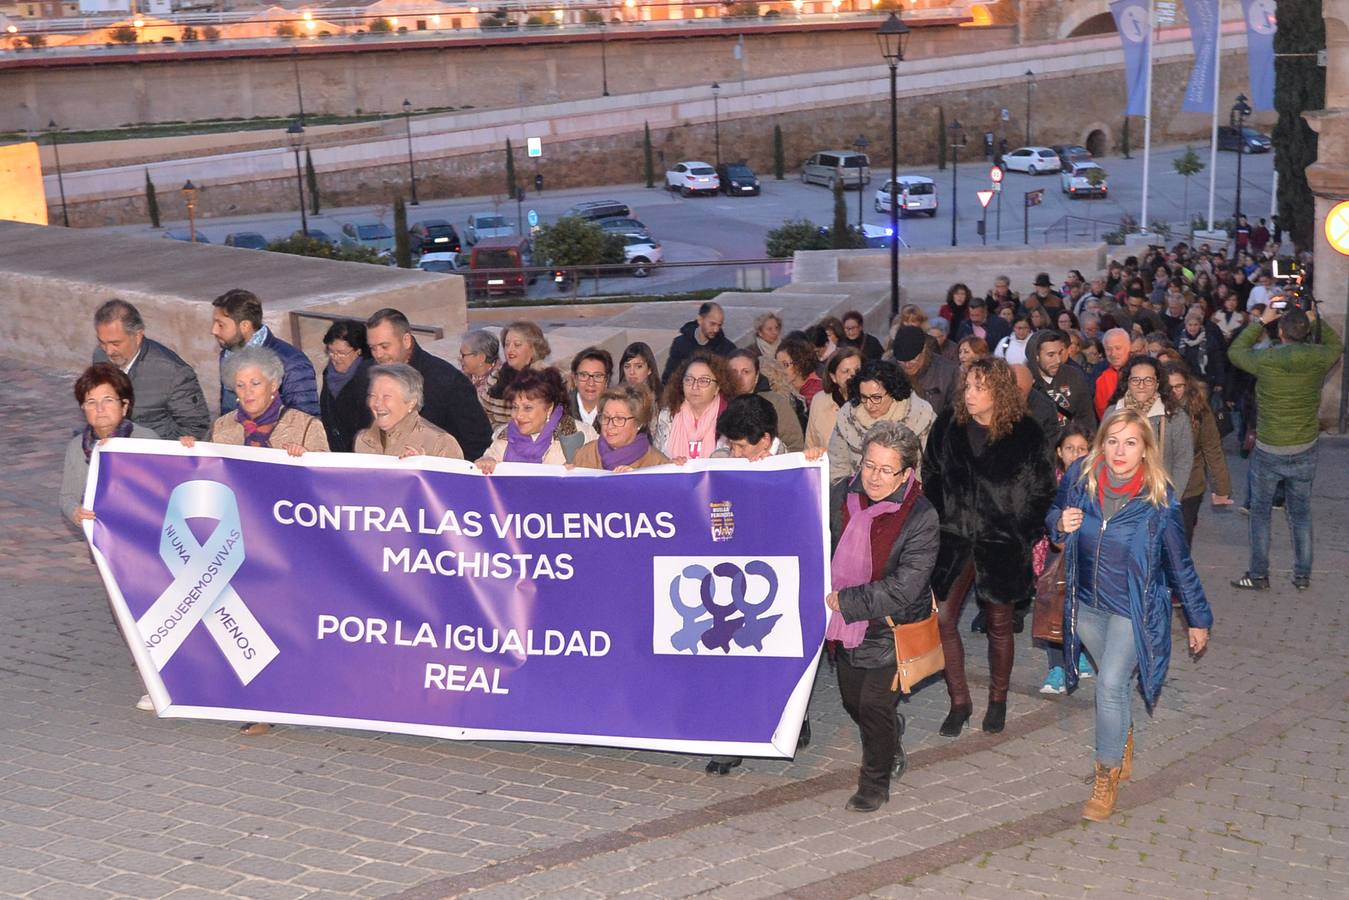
column 396, row 393
column 540, row 431
column 624, row 443
column 262, row 420
column 886, row 536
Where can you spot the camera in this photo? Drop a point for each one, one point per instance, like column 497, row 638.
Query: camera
column 1287, row 269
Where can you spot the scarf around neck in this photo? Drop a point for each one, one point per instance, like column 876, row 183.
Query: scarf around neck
column 613, row 457
column 525, row 448
column 258, row 432
column 693, row 436
column 1120, row 493
column 336, row 380
column 123, row 429
column 852, row 564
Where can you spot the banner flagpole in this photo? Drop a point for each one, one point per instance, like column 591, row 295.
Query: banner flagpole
column 1147, row 117
column 1213, row 134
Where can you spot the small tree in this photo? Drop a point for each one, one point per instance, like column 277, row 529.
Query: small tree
column 572, row 241
column 285, row 30
column 1095, row 178
column 151, row 201
column 941, row 138
column 741, row 9
column 592, row 17
column 299, row 245
column 37, row 41
column 510, row 170
column 841, row 236
column 648, row 162
column 402, row 247
column 210, row 33
column 380, row 26
column 189, row 34
column 1187, row 165
column 779, row 155
column 1124, row 139
column 124, row 34
column 793, row 235
column 312, row 182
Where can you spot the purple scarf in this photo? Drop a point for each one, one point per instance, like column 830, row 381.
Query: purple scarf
column 522, row 448
column 611, row 458
column 852, row 560
column 258, row 432
column 123, row 429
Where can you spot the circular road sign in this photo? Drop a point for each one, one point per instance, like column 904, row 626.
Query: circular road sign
column 1337, row 227
column 995, row 173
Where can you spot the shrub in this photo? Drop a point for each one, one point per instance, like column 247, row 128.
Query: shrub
column 793, row 235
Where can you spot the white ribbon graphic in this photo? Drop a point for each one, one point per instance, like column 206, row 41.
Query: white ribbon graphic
column 201, row 588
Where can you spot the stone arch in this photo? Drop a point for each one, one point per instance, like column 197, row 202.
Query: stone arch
column 1097, row 139
column 1088, row 19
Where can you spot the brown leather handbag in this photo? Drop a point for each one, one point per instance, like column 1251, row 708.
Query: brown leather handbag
column 918, row 652
column 1047, row 615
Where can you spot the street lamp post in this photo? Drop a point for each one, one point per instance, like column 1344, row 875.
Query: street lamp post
column 295, row 134
column 1030, row 88
column 716, row 119
column 604, row 59
column 60, row 178
column 412, row 169
column 893, row 36
column 957, row 141
column 861, row 145
column 190, row 197
column 1240, row 110
column 299, row 93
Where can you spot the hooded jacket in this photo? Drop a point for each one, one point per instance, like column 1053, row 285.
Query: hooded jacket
column 1068, row 389
column 686, row 342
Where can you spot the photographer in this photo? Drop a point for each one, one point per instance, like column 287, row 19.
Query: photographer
column 1289, row 375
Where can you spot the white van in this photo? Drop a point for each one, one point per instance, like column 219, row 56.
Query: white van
column 846, row 167
column 915, row 193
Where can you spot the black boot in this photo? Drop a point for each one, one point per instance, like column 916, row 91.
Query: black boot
column 995, row 719
column 722, row 765
column 860, row 802
column 901, row 761
column 955, row 721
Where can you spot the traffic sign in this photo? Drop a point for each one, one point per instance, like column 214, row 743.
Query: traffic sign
column 997, row 187
column 984, row 197
column 535, row 146
column 995, row 174
column 1035, row 198
column 1337, row 228
column 533, row 218
column 1006, row 114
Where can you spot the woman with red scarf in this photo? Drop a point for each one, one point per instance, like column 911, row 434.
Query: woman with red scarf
column 1120, row 525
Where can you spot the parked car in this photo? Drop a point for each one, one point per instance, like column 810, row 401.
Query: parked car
column 318, row 234
column 375, row 235
column 623, row 225
column 691, row 178
column 246, row 240
column 846, row 167
column 1248, row 141
column 434, row 236
column 183, row 234
column 915, row 194
column 486, row 225
column 642, row 252
column 1069, row 154
column 497, row 267
column 598, row 209
column 1076, row 182
column 738, row 180
column 878, row 236
column 442, row 262
column 1031, row 160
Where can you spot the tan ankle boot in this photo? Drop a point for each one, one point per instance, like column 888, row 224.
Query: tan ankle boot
column 1103, row 795
column 1126, row 767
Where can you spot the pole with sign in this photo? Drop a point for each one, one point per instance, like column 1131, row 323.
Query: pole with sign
column 984, row 198
column 995, row 175
column 1033, row 198
column 1337, row 235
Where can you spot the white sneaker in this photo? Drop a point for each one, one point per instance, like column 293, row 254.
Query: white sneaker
column 144, row 703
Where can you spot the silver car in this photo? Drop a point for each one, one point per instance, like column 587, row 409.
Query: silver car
column 486, row 225
column 375, row 235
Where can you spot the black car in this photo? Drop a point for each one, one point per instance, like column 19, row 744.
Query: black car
column 248, row 240
column 598, row 209
column 1248, row 140
column 434, row 236
column 1069, row 154
column 738, row 180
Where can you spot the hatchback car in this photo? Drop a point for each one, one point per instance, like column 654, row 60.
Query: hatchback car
column 375, row 235
column 1077, row 181
column 444, row 263
column 1031, row 160
column 1247, row 141
column 915, row 194
column 642, row 252
column 247, row 240
column 1069, row 154
column 691, row 178
column 486, row 225
column 738, row 180
column 623, row 225
column 183, row 234
column 434, row 236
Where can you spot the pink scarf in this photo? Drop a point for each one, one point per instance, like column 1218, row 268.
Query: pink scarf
column 694, row 436
column 852, row 563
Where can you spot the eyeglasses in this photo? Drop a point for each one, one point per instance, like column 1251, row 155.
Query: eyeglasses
column 616, row 421
column 465, row 355
column 872, row 399
column 591, row 376
column 702, row 382
column 348, row 354
column 883, row 471
column 1143, row 381
column 96, row 402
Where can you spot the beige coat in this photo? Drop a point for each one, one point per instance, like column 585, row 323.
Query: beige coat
column 850, row 428
column 820, row 424
column 588, row 457
column 413, row 431
column 294, row 427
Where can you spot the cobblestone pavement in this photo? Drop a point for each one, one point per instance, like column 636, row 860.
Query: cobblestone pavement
column 1241, row 784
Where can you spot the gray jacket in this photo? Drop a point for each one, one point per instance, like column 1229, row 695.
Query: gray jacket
column 76, row 471
column 169, row 400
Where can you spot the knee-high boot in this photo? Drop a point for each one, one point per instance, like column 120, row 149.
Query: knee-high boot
column 1001, row 648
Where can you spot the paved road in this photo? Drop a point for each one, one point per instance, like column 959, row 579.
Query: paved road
column 729, row 228
column 1241, row 783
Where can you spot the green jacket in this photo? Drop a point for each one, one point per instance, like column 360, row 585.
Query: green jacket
column 1288, row 383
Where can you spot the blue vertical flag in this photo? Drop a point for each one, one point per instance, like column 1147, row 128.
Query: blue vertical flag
column 1204, row 25
column 1135, row 32
column 1260, row 25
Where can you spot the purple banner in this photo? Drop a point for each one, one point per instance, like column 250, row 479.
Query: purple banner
column 1261, row 23
column 1204, row 33
column 679, row 608
column 1135, row 33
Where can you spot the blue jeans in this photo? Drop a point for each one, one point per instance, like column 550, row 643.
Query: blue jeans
column 1296, row 472
column 1110, row 641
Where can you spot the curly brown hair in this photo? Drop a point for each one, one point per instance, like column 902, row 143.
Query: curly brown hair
column 674, row 389
column 1008, row 404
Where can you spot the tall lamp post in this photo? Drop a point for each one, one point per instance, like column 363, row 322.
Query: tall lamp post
column 60, row 178
column 1240, row 110
column 299, row 92
column 957, row 141
column 716, row 119
column 604, row 59
column 861, row 145
column 893, row 36
column 295, row 134
column 190, row 197
column 1030, row 89
column 412, row 169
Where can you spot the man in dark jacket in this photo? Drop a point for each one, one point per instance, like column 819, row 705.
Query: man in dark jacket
column 980, row 322
column 168, row 396
column 934, row 378
column 1061, row 382
column 236, row 322
column 704, row 333
column 450, row 401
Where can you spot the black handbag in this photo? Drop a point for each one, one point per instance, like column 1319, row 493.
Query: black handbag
column 1222, row 416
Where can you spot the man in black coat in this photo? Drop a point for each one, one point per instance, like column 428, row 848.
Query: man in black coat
column 981, row 322
column 169, row 400
column 450, row 401
column 1058, row 380
column 934, row 378
column 704, row 333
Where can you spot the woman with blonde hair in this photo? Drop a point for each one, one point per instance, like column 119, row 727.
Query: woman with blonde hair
column 624, row 423
column 767, row 335
column 523, row 347
column 1117, row 602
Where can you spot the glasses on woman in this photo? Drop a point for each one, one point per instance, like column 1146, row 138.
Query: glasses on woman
column 100, row 402
column 883, row 471
column 702, row 381
column 591, row 376
column 348, row 354
column 1142, row 381
column 872, row 399
column 616, row 421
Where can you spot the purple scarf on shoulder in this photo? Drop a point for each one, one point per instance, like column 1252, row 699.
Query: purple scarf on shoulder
column 123, row 429
column 611, row 458
column 852, row 563
column 258, row 432
column 522, row 448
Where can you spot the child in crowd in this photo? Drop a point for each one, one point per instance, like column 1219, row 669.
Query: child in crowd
column 1073, row 444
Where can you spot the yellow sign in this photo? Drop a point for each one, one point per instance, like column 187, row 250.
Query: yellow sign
column 22, row 198
column 1337, row 227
